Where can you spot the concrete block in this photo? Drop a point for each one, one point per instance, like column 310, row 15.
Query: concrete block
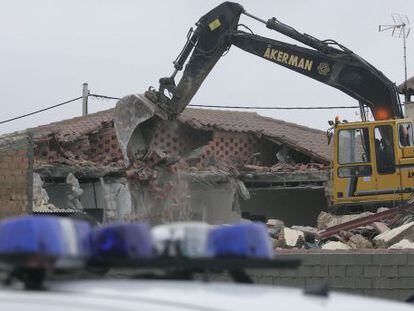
column 372, row 272
column 335, row 271
column 330, row 259
column 388, row 271
column 320, row 271
column 405, row 271
column 355, row 271
column 342, row 282
column 390, row 259
column 355, row 259
column 311, row 259
column 410, row 259
column 381, row 283
column 314, row 281
column 392, row 236
column 305, row 271
column 363, row 283
column 402, row 282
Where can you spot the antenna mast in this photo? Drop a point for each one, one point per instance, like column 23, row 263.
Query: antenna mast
column 400, row 29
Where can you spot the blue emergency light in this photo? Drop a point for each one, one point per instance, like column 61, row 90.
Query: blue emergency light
column 248, row 240
column 126, row 240
column 26, row 240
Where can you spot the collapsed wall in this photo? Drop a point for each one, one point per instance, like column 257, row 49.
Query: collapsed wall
column 16, row 168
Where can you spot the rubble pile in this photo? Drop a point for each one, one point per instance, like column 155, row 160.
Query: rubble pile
column 391, row 233
column 285, row 167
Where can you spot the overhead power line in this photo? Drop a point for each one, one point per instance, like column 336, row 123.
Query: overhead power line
column 250, row 107
column 192, row 105
column 276, row 108
column 39, row 111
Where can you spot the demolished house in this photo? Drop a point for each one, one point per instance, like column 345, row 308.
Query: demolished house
column 211, row 165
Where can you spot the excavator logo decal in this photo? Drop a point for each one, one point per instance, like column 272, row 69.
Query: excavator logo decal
column 323, row 68
column 214, row 24
column 288, row 59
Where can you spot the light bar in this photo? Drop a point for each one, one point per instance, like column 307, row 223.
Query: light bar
column 187, row 239
column 30, row 239
column 122, row 240
column 249, row 240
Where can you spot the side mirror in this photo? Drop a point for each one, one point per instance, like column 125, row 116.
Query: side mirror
column 329, row 136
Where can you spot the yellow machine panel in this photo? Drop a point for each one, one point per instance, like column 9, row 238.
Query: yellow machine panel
column 373, row 163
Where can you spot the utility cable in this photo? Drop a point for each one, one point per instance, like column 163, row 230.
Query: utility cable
column 39, row 111
column 191, row 105
column 250, row 107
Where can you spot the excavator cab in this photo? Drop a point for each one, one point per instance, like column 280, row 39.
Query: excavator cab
column 373, row 163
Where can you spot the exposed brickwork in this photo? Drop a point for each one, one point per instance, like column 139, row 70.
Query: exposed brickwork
column 98, row 147
column 382, row 273
column 238, row 148
column 16, row 174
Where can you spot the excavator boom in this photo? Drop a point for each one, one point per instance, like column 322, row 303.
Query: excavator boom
column 325, row 61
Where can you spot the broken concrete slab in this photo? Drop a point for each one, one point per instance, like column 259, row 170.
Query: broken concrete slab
column 292, row 237
column 333, row 245
column 309, row 232
column 380, row 227
column 403, row 244
column 390, row 237
column 358, row 241
column 274, row 227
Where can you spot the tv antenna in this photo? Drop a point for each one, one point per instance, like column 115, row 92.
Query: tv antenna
column 400, row 29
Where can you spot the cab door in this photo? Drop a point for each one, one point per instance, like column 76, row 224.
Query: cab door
column 387, row 174
column 405, row 157
column 353, row 164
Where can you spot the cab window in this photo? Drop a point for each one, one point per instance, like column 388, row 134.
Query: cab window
column 353, row 146
column 384, row 149
column 405, row 134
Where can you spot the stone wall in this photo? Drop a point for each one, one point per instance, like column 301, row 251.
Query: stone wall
column 16, row 174
column 381, row 273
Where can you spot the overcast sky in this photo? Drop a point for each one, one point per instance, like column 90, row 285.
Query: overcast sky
column 49, row 48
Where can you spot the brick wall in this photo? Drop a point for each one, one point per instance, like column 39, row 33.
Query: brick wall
column 16, row 174
column 382, row 273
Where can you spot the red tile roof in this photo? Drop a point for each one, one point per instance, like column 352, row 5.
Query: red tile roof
column 307, row 140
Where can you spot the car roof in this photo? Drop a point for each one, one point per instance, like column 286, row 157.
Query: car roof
column 127, row 294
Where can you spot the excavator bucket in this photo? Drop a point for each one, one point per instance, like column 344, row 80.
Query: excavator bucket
column 131, row 112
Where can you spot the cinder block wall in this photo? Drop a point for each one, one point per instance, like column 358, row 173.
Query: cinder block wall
column 381, row 273
column 16, row 174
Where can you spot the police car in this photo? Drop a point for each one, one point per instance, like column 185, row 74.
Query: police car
column 43, row 256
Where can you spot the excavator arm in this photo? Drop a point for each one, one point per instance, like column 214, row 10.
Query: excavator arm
column 325, row 61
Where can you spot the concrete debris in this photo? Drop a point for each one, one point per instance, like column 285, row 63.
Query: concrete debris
column 76, row 192
column 40, row 196
column 242, row 190
column 293, row 238
column 309, row 232
column 274, row 226
column 380, row 227
column 358, row 241
column 326, row 220
column 284, row 156
column 390, row 237
column 380, row 234
column 382, row 209
column 403, row 244
column 333, row 245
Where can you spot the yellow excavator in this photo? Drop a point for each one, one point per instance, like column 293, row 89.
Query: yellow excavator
column 373, row 161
